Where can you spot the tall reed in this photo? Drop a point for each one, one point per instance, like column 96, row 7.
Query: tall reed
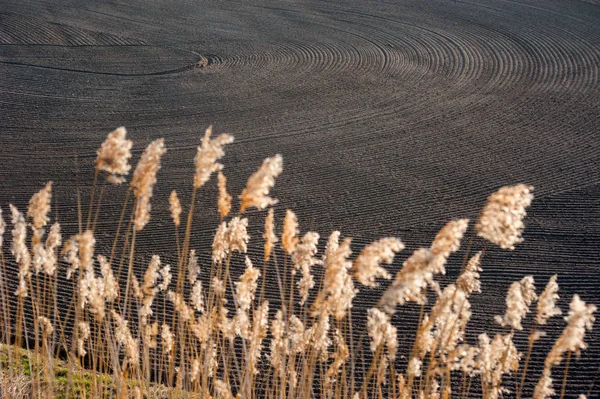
column 215, row 332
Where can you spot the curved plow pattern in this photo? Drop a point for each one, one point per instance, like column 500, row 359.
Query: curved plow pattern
column 392, row 117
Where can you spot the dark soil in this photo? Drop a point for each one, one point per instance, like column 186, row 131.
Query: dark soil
column 392, row 118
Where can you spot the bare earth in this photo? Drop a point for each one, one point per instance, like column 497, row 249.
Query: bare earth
column 392, row 118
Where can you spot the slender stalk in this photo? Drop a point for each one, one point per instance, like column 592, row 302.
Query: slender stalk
column 89, row 216
column 115, row 239
column 98, row 206
column 526, row 365
column 129, row 273
column 565, row 374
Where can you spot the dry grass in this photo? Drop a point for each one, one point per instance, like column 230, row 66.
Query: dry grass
column 153, row 336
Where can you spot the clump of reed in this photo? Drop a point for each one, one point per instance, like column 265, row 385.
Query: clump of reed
column 219, row 336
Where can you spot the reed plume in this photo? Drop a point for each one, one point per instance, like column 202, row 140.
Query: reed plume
column 19, row 250
column 209, row 335
column 144, row 179
column 38, row 209
column 256, row 193
column 546, row 307
column 520, row 296
column 501, row 219
column 289, row 237
column 269, row 235
column 579, row 319
column 338, row 287
column 224, row 202
column 207, row 156
column 113, row 156
column 304, row 259
column 175, row 208
column 367, row 267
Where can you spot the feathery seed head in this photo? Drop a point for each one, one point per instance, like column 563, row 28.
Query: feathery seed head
column 111, row 287
column 279, row 345
column 166, row 275
column 47, row 328
column 446, row 242
column 19, row 250
column 151, row 276
column 303, row 259
column 144, row 179
column 256, row 193
column 501, row 219
column 520, row 296
column 53, row 241
column 237, row 236
column 543, row 389
column 260, row 323
column 193, row 268
column 181, row 307
column 38, row 209
column 167, row 339
column 113, row 156
column 289, row 237
column 410, row 282
column 86, row 243
column 124, row 338
column 269, row 234
column 546, row 307
column 367, row 265
column 197, row 298
column 224, row 202
column 230, row 237
column 468, row 281
column 220, row 247
column 381, row 332
column 222, row 390
column 320, row 336
column 175, row 208
column 246, row 287
column 84, row 335
column 338, row 287
column 207, row 156
column 579, row 319
column 2, row 229
column 91, row 292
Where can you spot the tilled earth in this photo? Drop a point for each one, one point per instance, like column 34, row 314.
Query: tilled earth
column 392, row 118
